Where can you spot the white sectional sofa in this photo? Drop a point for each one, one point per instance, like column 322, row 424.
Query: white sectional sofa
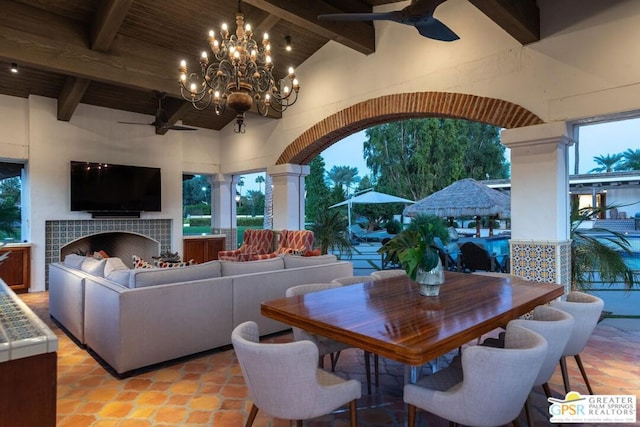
column 133, row 318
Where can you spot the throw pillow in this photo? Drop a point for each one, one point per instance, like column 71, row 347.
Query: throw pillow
column 74, row 260
column 140, row 263
column 112, row 264
column 93, row 266
column 164, row 264
column 100, row 254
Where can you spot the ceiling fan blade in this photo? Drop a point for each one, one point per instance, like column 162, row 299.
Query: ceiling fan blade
column 178, row 127
column 435, row 29
column 137, row 123
column 389, row 16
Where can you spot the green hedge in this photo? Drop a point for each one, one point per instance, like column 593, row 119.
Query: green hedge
column 254, row 221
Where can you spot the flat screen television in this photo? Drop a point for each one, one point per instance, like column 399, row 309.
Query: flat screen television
column 105, row 187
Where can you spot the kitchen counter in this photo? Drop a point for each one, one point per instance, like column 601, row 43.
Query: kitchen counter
column 28, row 364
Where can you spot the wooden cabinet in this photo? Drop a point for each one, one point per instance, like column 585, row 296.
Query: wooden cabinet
column 16, row 269
column 202, row 249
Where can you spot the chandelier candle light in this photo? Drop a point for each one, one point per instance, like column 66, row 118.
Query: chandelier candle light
column 242, row 72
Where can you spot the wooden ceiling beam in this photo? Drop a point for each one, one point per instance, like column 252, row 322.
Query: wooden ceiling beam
column 356, row 35
column 107, row 23
column 175, row 109
column 519, row 18
column 75, row 59
column 70, row 96
column 105, row 26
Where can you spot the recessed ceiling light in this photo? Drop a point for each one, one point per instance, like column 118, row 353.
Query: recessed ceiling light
column 14, row 67
column 287, row 39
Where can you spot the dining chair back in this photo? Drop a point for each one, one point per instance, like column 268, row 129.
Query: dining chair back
column 486, row 386
column 284, row 380
column 386, row 274
column 352, row 280
column 327, row 346
column 586, row 310
column 556, row 327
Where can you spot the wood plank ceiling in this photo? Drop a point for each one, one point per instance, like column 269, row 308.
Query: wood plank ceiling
column 115, row 53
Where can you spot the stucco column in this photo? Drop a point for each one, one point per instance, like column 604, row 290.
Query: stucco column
column 223, row 212
column 288, row 195
column 540, row 232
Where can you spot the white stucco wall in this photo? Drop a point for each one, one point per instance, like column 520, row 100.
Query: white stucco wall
column 93, row 134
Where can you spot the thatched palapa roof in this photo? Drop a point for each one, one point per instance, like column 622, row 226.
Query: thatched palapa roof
column 466, row 197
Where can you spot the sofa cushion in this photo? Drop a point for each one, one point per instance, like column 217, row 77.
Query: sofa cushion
column 140, row 278
column 293, row 261
column 93, row 266
column 231, row 268
column 114, row 263
column 121, row 277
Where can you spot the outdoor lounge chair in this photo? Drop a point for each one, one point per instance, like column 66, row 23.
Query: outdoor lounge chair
column 446, row 257
column 360, row 234
column 475, row 257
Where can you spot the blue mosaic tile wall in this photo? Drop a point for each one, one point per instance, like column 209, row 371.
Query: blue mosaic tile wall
column 59, row 233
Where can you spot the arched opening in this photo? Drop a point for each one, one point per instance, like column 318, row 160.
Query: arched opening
column 404, row 106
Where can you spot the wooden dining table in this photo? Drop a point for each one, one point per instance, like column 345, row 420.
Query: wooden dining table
column 392, row 319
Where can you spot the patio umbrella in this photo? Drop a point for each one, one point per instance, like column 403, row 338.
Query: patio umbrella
column 466, row 197
column 369, row 197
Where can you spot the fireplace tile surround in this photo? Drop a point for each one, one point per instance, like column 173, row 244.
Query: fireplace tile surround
column 59, row 233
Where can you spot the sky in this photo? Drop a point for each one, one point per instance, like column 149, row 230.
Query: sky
column 595, row 140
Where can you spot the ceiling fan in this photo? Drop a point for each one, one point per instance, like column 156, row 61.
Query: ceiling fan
column 418, row 14
column 161, row 120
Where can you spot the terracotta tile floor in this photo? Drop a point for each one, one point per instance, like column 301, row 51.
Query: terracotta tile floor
column 209, row 390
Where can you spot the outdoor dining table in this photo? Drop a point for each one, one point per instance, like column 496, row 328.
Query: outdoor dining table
column 392, row 319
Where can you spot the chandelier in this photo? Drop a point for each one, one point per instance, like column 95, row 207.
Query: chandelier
column 240, row 73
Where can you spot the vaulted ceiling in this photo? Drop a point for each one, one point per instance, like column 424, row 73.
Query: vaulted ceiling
column 115, row 53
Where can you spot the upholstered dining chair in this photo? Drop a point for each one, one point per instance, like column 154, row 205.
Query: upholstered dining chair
column 385, row 274
column 556, row 327
column 352, row 280
column 486, row 386
column 586, row 310
column 254, row 243
column 284, row 379
column 324, row 344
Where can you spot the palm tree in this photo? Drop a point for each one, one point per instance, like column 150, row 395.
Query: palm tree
column 606, row 163
column 344, row 176
column 631, row 160
column 330, row 233
column 598, row 258
column 259, row 181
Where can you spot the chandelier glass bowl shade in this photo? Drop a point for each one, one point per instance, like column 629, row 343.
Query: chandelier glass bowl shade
column 239, row 73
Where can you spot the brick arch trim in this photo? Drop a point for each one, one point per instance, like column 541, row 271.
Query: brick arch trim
column 402, row 106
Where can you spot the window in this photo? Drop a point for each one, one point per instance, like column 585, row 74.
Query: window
column 196, row 205
column 10, row 202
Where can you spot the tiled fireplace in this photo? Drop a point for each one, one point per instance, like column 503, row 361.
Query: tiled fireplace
column 60, row 233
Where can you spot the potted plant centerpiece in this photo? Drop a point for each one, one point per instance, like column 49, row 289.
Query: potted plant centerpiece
column 413, row 248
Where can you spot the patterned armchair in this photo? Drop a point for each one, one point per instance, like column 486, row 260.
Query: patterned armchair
column 292, row 242
column 255, row 243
